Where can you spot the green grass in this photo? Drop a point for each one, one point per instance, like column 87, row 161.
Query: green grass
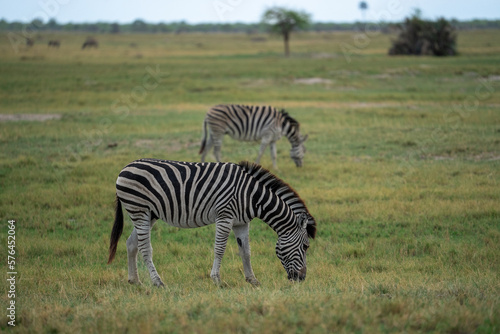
column 401, row 174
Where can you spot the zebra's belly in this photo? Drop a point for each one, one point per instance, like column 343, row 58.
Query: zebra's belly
column 270, row 136
column 244, row 137
column 190, row 219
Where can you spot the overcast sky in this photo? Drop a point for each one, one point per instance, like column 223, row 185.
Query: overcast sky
column 247, row 11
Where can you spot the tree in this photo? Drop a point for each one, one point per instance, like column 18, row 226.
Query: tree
column 283, row 21
column 36, row 24
column 52, row 25
column 363, row 6
column 139, row 26
column 114, row 28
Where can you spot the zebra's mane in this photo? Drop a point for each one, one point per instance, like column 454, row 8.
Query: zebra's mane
column 287, row 118
column 278, row 186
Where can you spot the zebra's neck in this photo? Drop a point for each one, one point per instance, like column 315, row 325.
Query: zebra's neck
column 276, row 212
column 290, row 129
column 272, row 200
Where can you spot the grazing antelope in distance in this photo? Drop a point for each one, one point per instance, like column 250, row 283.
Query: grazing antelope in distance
column 54, row 43
column 90, row 42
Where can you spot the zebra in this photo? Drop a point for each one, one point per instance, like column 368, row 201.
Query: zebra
column 252, row 123
column 190, row 195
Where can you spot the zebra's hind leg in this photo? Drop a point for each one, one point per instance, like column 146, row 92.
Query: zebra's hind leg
column 272, row 148
column 144, row 245
column 217, row 142
column 208, row 146
column 263, row 144
column 222, row 229
column 243, row 239
column 132, row 249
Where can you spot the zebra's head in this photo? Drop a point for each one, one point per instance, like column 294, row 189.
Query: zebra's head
column 291, row 247
column 298, row 150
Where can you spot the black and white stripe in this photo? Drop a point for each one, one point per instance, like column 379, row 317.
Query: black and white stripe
column 251, row 123
column 189, row 195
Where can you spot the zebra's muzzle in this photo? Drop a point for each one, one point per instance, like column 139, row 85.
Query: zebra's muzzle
column 298, row 162
column 297, row 275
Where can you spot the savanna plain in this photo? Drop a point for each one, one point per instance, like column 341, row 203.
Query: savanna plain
column 401, row 174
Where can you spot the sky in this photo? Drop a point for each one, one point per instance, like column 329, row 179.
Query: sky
column 246, row 11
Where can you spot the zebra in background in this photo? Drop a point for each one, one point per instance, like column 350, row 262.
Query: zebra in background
column 251, row 123
column 190, row 195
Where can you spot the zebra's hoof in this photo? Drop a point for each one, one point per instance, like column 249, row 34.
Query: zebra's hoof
column 253, row 281
column 216, row 280
column 135, row 282
column 159, row 284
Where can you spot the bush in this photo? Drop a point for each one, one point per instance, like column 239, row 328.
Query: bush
column 420, row 37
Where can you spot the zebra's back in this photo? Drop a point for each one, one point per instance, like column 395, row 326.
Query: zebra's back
column 182, row 194
column 248, row 123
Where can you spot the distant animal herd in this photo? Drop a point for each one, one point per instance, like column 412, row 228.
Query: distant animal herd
column 55, row 43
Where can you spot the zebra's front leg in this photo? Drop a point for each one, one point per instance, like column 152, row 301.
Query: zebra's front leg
column 243, row 239
column 144, row 243
column 263, row 145
column 222, row 230
column 132, row 249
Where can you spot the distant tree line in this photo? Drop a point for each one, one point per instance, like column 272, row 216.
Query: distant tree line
column 140, row 26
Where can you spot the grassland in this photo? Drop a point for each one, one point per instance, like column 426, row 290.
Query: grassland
column 401, row 173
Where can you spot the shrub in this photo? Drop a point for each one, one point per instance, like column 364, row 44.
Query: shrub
column 421, row 37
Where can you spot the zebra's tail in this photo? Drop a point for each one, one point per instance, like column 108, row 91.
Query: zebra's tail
column 204, row 138
column 117, row 230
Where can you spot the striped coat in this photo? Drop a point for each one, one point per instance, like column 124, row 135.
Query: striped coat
column 251, row 123
column 190, row 195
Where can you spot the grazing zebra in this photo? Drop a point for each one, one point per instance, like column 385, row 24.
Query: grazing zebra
column 189, row 195
column 251, row 123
